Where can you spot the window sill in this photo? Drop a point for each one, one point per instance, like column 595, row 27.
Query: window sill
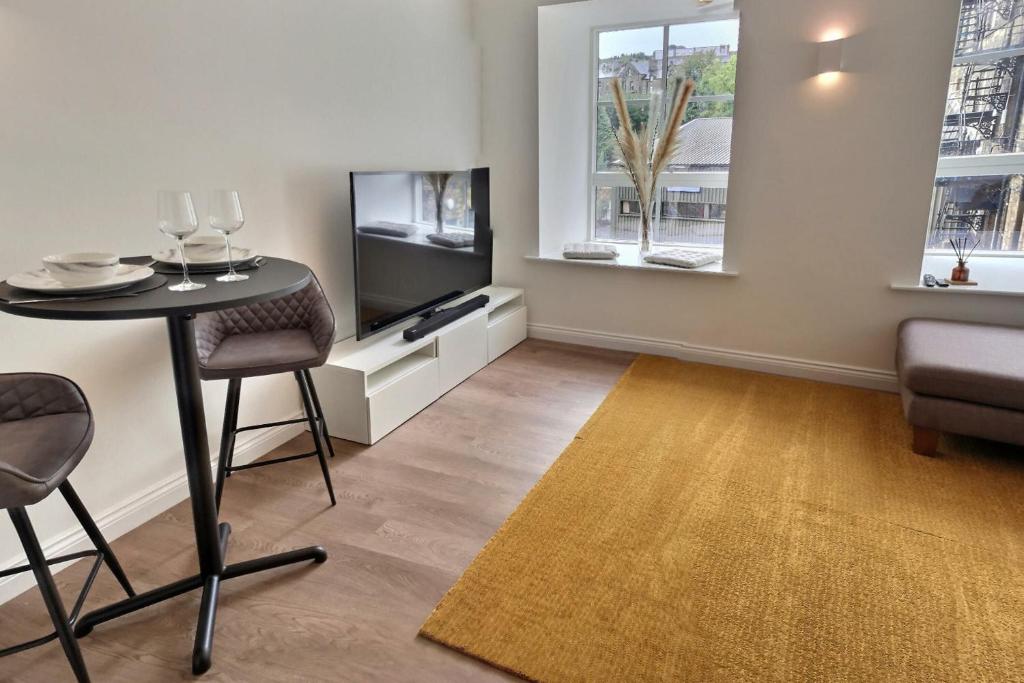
column 996, row 275
column 957, row 289
column 629, row 259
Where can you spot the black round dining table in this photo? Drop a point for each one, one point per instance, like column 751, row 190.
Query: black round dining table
column 274, row 278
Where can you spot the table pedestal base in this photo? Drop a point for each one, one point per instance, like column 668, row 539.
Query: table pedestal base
column 202, row 652
column 211, row 537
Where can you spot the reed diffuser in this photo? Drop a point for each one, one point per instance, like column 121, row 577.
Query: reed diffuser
column 961, row 273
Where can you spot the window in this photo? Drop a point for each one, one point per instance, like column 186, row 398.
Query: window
column 691, row 201
column 457, row 202
column 978, row 185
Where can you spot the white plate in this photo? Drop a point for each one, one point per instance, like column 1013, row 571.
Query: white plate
column 170, row 257
column 40, row 281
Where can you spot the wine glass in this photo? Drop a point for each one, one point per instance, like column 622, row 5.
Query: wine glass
column 226, row 217
column 176, row 217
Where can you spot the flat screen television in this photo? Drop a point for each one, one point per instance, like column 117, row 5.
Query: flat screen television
column 421, row 240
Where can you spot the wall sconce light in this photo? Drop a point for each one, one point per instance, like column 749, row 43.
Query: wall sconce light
column 830, row 56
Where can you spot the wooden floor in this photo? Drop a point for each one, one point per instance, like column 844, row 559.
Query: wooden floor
column 412, row 512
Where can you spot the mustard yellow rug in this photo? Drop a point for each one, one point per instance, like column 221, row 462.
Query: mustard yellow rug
column 716, row 524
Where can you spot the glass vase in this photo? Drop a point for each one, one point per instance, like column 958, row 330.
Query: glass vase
column 961, row 273
column 645, row 234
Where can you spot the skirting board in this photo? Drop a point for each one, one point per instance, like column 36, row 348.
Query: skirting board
column 834, row 373
column 139, row 509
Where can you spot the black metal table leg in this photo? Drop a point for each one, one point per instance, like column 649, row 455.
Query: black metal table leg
column 211, row 538
column 193, row 437
column 202, row 651
column 142, row 600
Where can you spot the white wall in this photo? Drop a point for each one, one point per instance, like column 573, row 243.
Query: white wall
column 105, row 103
column 828, row 198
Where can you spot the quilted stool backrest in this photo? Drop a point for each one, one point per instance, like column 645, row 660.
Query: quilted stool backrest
column 306, row 309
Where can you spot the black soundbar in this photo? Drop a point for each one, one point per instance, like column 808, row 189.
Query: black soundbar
column 443, row 317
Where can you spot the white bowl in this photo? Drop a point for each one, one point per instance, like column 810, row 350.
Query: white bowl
column 81, row 268
column 200, row 249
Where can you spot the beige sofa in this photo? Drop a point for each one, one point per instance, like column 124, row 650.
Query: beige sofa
column 962, row 378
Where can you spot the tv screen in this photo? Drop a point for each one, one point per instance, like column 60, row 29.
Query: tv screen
column 421, row 240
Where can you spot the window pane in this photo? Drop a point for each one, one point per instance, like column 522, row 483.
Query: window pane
column 986, row 209
column 706, row 53
column 629, row 56
column 705, row 144
column 692, row 215
column 989, row 25
column 608, row 155
column 616, row 214
column 983, row 108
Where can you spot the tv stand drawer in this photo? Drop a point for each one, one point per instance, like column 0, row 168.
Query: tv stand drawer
column 396, row 402
column 505, row 330
column 462, row 350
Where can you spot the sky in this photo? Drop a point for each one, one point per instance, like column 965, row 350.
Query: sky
column 647, row 40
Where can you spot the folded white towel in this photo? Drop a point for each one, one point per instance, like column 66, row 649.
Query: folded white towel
column 454, row 240
column 683, row 258
column 389, row 228
column 589, row 250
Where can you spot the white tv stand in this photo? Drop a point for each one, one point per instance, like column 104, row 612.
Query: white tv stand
column 371, row 386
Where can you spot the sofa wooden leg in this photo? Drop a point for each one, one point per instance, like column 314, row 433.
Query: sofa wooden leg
column 926, row 441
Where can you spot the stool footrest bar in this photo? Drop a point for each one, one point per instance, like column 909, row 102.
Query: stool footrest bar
column 262, row 463
column 56, row 560
column 82, row 595
column 267, row 425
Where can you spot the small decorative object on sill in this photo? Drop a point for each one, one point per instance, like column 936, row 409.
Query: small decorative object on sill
column 452, row 240
column 645, row 154
column 388, row 229
column 961, row 274
column 589, row 251
column 683, row 258
column 438, row 181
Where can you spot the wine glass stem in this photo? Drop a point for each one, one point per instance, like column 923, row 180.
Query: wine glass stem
column 184, row 265
column 231, row 265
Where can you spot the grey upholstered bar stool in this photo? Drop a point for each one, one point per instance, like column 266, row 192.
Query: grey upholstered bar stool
column 46, row 427
column 290, row 334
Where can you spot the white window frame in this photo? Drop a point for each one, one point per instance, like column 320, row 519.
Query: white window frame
column 596, row 178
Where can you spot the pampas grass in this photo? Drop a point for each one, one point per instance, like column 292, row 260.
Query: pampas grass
column 645, row 153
